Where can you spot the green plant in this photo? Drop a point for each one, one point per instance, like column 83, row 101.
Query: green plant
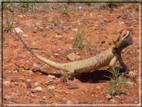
column 65, row 77
column 117, row 86
column 89, row 3
column 110, row 5
column 9, row 24
column 8, row 5
column 78, row 40
column 4, row 5
column 26, row 5
column 56, row 21
column 137, row 7
column 29, row 6
column 64, row 11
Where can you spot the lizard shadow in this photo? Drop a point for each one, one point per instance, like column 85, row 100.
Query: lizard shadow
column 91, row 77
column 96, row 76
column 45, row 73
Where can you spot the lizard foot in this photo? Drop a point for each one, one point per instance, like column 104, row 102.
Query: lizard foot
column 131, row 74
column 67, row 78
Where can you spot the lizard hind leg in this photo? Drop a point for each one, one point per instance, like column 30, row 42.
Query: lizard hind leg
column 69, row 71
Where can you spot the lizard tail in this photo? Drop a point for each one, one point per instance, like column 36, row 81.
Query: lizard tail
column 51, row 63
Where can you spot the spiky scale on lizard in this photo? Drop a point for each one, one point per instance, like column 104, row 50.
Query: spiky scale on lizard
column 121, row 40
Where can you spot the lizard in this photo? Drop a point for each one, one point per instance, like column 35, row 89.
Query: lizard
column 108, row 58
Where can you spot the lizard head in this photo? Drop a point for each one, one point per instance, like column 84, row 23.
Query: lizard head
column 122, row 39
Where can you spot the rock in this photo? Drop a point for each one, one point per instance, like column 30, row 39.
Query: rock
column 72, row 56
column 37, row 24
column 102, row 48
column 100, row 16
column 34, row 30
column 56, row 54
column 36, row 83
column 6, row 82
column 16, row 83
column 108, row 96
column 37, row 89
column 21, row 16
column 129, row 87
column 109, row 43
column 73, row 86
column 9, row 102
column 28, row 80
column 45, row 34
column 117, row 96
column 107, row 21
column 32, row 95
column 37, row 66
column 95, row 25
column 19, row 58
column 7, row 97
column 51, row 87
column 131, row 99
column 29, row 72
column 75, row 29
column 15, row 71
column 130, row 83
column 47, row 27
column 18, row 30
column 47, row 82
column 103, row 41
column 120, row 23
column 51, row 76
column 27, row 92
column 25, row 35
column 29, row 86
column 69, row 102
column 113, row 101
column 79, row 7
column 98, row 87
column 71, row 38
column 59, row 36
column 19, row 94
column 44, row 97
column 40, row 28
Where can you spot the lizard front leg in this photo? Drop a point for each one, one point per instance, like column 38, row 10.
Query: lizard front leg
column 123, row 65
column 111, row 64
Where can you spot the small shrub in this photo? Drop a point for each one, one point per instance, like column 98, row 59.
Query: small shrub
column 110, row 5
column 29, row 6
column 137, row 7
column 65, row 77
column 64, row 11
column 9, row 24
column 9, row 6
column 78, row 40
column 117, row 86
column 4, row 5
column 56, row 21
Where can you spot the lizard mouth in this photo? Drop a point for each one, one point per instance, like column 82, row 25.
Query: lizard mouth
column 126, row 40
column 126, row 35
